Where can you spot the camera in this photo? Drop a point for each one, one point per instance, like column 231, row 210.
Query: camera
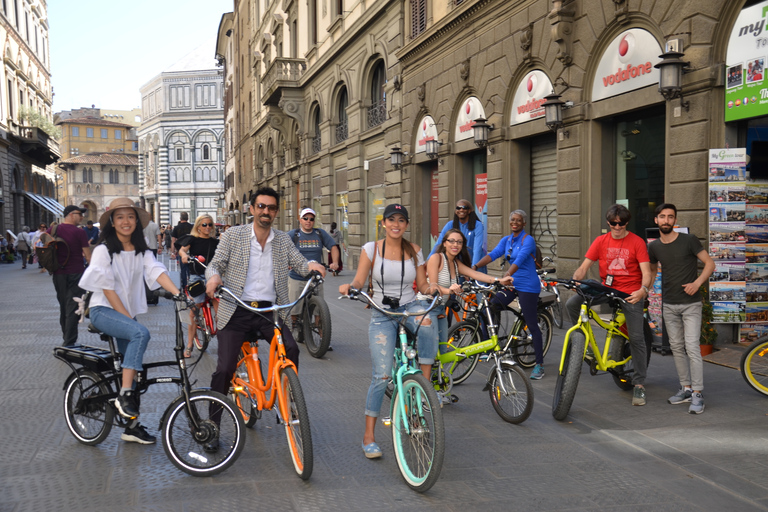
column 392, row 302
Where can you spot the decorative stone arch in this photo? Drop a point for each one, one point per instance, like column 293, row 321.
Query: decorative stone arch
column 93, row 210
column 465, row 93
column 337, row 114
column 519, row 74
column 177, row 136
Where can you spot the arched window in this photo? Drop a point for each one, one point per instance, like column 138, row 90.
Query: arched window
column 206, row 152
column 85, row 175
column 317, row 142
column 135, row 177
column 342, row 129
column 377, row 112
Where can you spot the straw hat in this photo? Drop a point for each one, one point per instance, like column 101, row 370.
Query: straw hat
column 124, row 202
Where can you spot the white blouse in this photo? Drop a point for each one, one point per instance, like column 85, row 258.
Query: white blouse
column 125, row 275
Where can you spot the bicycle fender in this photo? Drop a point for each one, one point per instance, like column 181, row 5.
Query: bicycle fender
column 503, row 362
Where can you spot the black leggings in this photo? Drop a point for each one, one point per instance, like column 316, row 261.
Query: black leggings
column 529, row 303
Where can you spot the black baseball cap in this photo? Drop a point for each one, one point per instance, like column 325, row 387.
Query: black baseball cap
column 392, row 209
column 72, row 208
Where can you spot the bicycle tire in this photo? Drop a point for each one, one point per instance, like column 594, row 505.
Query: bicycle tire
column 514, row 401
column 419, row 452
column 297, row 428
column 754, row 365
column 317, row 338
column 92, row 425
column 522, row 351
column 621, row 376
column 462, row 335
column 568, row 379
column 202, row 339
column 184, row 446
column 242, row 398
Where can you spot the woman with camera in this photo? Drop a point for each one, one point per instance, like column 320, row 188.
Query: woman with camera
column 519, row 249
column 449, row 261
column 392, row 265
column 198, row 243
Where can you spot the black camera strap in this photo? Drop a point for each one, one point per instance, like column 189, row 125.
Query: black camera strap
column 402, row 269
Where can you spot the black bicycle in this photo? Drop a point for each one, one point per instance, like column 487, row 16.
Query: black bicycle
column 191, row 422
column 312, row 324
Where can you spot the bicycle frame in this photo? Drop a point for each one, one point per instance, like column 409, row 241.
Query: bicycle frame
column 614, row 327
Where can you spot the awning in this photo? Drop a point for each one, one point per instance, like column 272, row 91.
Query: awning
column 48, row 203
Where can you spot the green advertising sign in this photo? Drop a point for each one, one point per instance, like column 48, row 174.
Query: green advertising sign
column 746, row 90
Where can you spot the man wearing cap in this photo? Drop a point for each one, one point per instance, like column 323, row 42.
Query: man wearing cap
column 310, row 241
column 65, row 279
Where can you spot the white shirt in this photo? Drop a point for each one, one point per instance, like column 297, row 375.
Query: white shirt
column 125, row 275
column 260, row 279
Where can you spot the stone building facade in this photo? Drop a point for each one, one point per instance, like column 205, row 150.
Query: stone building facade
column 181, row 157
column 28, row 188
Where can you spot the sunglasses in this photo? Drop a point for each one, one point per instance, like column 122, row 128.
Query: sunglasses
column 262, row 206
column 455, row 242
column 311, row 219
column 621, row 224
column 205, row 225
column 463, row 208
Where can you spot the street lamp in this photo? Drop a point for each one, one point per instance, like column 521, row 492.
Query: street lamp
column 396, row 158
column 432, row 147
column 671, row 70
column 553, row 111
column 480, row 130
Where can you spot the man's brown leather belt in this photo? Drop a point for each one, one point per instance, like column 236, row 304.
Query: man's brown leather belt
column 260, row 304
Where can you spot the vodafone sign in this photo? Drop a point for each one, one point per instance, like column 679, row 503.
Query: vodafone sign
column 427, row 130
column 470, row 110
column 627, row 64
column 529, row 97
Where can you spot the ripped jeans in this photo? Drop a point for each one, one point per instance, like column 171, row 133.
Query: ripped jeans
column 382, row 337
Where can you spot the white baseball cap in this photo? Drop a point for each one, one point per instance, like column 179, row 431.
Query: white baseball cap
column 306, row 211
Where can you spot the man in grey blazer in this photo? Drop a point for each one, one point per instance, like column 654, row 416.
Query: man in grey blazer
column 253, row 261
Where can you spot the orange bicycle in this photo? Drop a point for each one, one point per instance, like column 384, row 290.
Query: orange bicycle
column 281, row 391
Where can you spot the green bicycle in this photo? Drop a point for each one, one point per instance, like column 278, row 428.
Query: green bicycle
column 615, row 357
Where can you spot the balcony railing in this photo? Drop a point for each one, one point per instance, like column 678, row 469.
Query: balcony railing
column 377, row 113
column 282, row 72
column 342, row 132
column 317, row 144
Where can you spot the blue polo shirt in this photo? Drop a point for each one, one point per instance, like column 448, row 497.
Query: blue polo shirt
column 520, row 250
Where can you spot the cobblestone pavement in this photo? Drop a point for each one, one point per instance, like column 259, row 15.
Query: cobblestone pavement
column 606, row 456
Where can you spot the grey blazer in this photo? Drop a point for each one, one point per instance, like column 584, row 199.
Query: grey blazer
column 233, row 257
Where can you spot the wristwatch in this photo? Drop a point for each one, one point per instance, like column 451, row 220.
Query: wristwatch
column 647, row 291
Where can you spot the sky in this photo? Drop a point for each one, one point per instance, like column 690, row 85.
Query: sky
column 103, row 51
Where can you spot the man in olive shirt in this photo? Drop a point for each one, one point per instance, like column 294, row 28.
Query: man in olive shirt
column 681, row 301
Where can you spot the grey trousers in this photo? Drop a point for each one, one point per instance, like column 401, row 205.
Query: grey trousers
column 683, row 323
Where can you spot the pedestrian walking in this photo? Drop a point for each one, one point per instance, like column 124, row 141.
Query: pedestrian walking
column 182, row 228
column 24, row 245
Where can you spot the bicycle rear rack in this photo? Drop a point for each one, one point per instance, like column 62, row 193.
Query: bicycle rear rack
column 92, row 358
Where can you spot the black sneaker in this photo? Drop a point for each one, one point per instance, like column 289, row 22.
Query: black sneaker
column 127, row 405
column 138, row 434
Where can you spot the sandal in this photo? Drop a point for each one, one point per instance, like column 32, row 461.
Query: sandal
column 188, row 352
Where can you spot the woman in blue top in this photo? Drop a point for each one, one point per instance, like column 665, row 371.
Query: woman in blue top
column 467, row 221
column 519, row 249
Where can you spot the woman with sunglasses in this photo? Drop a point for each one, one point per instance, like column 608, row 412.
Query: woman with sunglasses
column 466, row 220
column 519, row 249
column 199, row 243
column 392, row 265
column 444, row 268
column 624, row 264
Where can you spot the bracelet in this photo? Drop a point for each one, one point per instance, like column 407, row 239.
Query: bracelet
column 647, row 291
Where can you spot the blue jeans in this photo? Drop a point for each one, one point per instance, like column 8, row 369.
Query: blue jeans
column 382, row 338
column 131, row 337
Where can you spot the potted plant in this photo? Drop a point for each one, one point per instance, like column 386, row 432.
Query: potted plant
column 708, row 332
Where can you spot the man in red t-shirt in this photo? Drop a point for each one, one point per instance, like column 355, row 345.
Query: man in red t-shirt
column 66, row 278
column 624, row 265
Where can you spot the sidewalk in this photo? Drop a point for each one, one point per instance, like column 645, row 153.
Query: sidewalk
column 606, row 456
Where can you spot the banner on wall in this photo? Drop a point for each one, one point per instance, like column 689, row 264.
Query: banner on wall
column 470, row 110
column 627, row 64
column 481, row 203
column 746, row 94
column 427, row 130
column 528, row 102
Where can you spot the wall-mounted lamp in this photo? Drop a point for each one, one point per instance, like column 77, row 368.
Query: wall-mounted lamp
column 671, row 70
column 396, row 157
column 481, row 129
column 553, row 112
column 432, row 147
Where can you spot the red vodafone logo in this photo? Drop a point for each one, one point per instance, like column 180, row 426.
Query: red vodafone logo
column 627, row 47
column 532, row 85
column 626, row 50
column 469, row 106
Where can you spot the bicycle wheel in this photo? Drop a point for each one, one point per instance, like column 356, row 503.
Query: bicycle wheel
column 419, row 450
column 296, row 418
column 242, row 398
column 754, row 365
column 217, row 419
column 522, row 348
column 462, row 335
column 557, row 314
column 511, row 393
column 202, row 334
column 622, row 374
column 568, row 380
column 89, row 422
column 317, row 327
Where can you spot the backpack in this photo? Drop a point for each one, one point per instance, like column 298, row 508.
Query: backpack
column 48, row 254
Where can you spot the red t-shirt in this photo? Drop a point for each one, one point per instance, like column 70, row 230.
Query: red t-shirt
column 621, row 259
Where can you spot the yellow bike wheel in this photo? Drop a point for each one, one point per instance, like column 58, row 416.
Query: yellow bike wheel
column 754, row 365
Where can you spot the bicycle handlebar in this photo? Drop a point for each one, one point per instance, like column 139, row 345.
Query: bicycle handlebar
column 581, row 286
column 355, row 294
column 312, row 283
column 475, row 286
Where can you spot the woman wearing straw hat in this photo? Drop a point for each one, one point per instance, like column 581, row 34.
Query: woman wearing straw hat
column 120, row 265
